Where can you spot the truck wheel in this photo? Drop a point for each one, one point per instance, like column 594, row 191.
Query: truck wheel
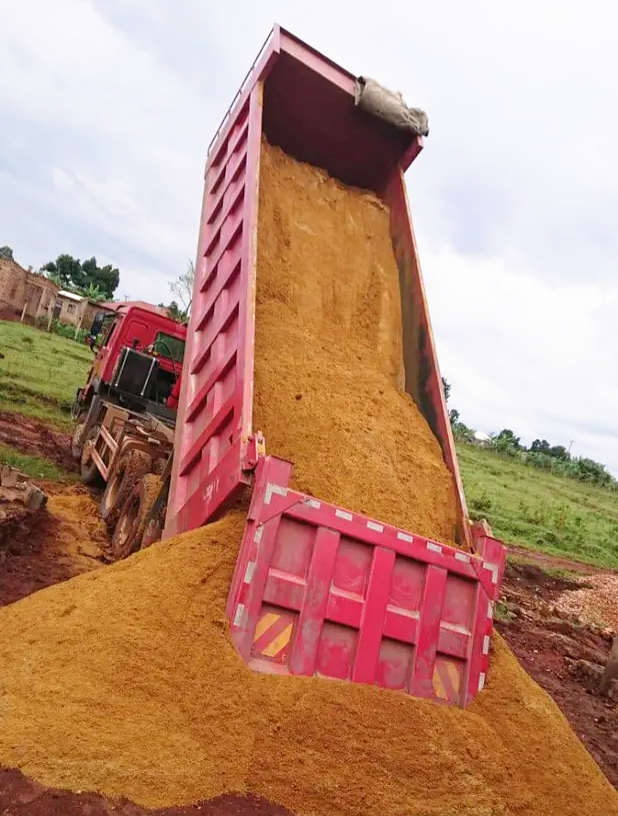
column 129, row 529
column 89, row 471
column 127, row 472
column 154, row 528
column 77, row 441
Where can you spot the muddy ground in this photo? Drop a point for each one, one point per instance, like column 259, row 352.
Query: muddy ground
column 30, row 436
column 23, row 797
column 563, row 655
column 63, row 539
column 67, row 538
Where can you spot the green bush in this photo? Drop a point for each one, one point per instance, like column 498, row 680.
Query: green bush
column 63, row 330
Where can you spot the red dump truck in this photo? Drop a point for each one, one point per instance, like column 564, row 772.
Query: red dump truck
column 354, row 598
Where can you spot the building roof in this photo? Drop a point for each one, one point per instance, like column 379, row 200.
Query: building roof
column 69, row 295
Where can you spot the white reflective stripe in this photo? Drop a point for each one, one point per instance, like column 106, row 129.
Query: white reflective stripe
column 481, row 681
column 343, row 515
column 405, row 537
column 372, row 525
column 493, row 568
column 486, row 645
column 461, row 556
column 490, row 610
column 249, row 572
column 434, row 547
column 276, row 489
column 258, row 534
column 313, row 503
column 240, row 613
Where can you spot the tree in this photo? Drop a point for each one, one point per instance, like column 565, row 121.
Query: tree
column 447, row 389
column 174, row 312
column 506, row 442
column 71, row 274
column 106, row 278
column 559, row 452
column 182, row 288
column 507, row 437
column 94, row 293
column 6, row 253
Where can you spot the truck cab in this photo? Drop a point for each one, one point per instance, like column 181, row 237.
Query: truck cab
column 139, row 354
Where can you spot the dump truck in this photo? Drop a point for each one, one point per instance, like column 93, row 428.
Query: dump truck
column 343, row 595
column 125, row 413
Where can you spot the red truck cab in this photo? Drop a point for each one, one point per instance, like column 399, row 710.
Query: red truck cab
column 143, row 328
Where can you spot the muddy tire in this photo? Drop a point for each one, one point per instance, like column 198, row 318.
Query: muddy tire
column 88, row 470
column 129, row 530
column 77, row 442
column 127, row 473
column 154, row 528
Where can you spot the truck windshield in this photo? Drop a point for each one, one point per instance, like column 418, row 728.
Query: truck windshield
column 170, row 347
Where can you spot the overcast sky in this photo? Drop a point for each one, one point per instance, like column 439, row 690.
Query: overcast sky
column 107, row 107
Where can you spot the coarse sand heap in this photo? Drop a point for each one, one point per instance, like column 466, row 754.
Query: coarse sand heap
column 125, row 681
column 328, row 354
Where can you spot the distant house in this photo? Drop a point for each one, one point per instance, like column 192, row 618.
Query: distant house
column 39, row 295
column 481, row 438
column 74, row 309
column 21, row 288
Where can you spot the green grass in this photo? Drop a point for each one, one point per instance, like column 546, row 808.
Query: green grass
column 540, row 511
column 34, row 466
column 40, row 373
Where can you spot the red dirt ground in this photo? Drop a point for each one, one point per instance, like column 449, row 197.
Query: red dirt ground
column 22, row 797
column 30, row 436
column 63, row 539
column 548, row 646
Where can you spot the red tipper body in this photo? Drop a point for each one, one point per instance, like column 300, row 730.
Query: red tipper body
column 319, row 590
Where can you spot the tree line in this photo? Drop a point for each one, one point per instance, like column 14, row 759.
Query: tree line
column 541, row 453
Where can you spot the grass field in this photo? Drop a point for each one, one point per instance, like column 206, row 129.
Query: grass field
column 539, row 511
column 40, row 373
column 36, row 467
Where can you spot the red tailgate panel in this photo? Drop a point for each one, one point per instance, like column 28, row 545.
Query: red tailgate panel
column 321, row 591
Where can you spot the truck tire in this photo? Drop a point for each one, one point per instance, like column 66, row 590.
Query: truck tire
column 77, row 442
column 89, row 471
column 154, row 528
column 129, row 530
column 126, row 474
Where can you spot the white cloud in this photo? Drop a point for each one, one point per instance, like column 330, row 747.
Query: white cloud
column 525, row 353
column 108, row 106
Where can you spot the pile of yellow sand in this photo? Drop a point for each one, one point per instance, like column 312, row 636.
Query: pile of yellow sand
column 328, row 355
column 124, row 681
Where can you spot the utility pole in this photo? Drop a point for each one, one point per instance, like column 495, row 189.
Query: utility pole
column 572, row 440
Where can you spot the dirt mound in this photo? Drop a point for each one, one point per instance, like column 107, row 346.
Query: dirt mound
column 35, row 438
column 23, row 797
column 108, row 679
column 16, row 525
column 596, row 602
column 63, row 539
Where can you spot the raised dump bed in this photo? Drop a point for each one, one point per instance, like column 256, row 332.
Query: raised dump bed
column 321, row 588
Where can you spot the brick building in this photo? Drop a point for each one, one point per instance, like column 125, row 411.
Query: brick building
column 19, row 287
